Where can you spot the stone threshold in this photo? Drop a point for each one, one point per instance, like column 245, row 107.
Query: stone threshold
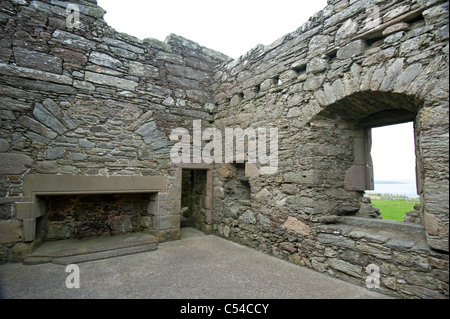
column 73, row 251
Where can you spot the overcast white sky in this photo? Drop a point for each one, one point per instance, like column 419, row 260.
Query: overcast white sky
column 234, row 27
column 393, row 152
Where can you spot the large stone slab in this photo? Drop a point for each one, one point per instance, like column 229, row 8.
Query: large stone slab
column 37, row 127
column 37, row 60
column 345, row 267
column 71, row 40
column 68, row 252
column 12, row 70
column 111, row 81
column 14, row 164
column 104, row 60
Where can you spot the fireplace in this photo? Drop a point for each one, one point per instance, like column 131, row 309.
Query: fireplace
column 86, row 216
column 63, row 207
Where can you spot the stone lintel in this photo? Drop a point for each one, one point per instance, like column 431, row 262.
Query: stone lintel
column 66, row 184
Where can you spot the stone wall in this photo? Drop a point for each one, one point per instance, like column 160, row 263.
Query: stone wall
column 354, row 65
column 87, row 100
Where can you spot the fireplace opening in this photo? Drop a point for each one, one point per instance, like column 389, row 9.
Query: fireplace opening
column 87, row 216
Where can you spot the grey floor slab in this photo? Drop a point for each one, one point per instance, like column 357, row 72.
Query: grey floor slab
column 195, row 267
column 67, row 252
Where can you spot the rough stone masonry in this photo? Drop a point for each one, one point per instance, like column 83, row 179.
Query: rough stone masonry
column 86, row 111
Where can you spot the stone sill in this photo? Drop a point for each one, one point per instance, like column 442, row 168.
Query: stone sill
column 406, row 228
column 392, row 234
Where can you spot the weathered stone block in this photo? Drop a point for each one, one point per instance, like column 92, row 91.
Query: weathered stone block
column 71, row 40
column 53, row 153
column 167, row 222
column 143, row 70
column 59, row 232
column 39, row 84
column 432, row 223
column 318, row 45
column 352, row 49
column 39, row 75
column 294, row 112
column 10, row 232
column 369, row 235
column 86, row 144
column 5, row 51
column 122, row 45
column 346, row 32
column 294, row 225
column 37, row 60
column 402, row 26
column 14, row 164
column 407, row 77
column 401, row 244
column 4, row 146
column 83, row 85
column 340, row 241
column 6, row 211
column 438, row 243
column 314, row 82
column 73, row 60
column 47, row 167
column 329, row 93
column 251, row 170
column 104, row 60
column 376, row 250
column 316, row 65
column 355, row 178
column 345, row 267
column 111, row 81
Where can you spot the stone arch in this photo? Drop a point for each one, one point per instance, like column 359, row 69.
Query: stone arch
column 361, row 106
column 63, row 137
column 363, row 110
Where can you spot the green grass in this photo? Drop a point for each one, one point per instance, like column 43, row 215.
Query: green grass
column 394, row 209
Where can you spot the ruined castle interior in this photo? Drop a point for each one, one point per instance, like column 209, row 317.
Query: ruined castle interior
column 87, row 115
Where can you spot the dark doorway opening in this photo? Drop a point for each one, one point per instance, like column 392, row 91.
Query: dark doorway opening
column 196, row 200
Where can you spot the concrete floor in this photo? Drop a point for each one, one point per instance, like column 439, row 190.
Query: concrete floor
column 196, row 267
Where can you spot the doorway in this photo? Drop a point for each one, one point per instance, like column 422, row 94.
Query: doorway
column 196, row 199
